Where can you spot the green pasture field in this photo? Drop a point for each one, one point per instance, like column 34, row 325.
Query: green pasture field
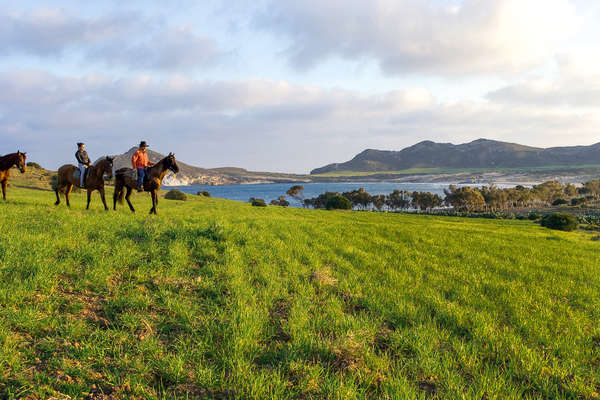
column 434, row 171
column 218, row 299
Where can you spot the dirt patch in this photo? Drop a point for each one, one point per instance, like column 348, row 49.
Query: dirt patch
column 278, row 316
column 92, row 306
column 383, row 341
column 349, row 355
column 195, row 392
column 353, row 304
column 429, row 386
column 323, row 277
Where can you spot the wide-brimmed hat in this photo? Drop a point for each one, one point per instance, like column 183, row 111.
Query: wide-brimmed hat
column 143, row 144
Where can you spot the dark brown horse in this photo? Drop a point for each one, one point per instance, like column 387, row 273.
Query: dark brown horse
column 6, row 163
column 125, row 179
column 95, row 180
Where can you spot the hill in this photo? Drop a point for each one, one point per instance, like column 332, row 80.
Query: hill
column 191, row 175
column 481, row 153
column 218, row 299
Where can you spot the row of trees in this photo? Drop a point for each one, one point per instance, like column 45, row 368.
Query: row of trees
column 397, row 200
column 471, row 199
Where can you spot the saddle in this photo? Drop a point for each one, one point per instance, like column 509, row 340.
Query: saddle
column 131, row 174
column 76, row 175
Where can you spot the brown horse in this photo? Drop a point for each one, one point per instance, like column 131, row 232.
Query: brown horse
column 6, row 163
column 95, row 180
column 125, row 178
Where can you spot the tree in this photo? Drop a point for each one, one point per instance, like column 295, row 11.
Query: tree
column 338, row 202
column 570, row 190
column 358, row 198
column 426, row 200
column 297, row 192
column 379, row 201
column 549, row 191
column 398, row 200
column 592, row 188
column 321, row 200
column 466, row 198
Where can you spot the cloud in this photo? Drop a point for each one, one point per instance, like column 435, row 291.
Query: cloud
column 127, row 40
column 404, row 36
column 257, row 123
column 577, row 85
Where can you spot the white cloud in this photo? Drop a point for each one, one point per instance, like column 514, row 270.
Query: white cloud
column 126, row 39
column 259, row 124
column 467, row 37
column 577, row 86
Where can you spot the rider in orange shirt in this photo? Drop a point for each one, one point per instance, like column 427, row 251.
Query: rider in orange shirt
column 140, row 162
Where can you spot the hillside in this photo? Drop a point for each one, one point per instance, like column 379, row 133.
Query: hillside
column 481, row 153
column 218, row 299
column 191, row 175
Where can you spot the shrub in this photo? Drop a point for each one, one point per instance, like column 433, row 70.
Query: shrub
column 338, row 202
column 533, row 216
column 281, row 201
column 578, row 201
column 257, row 202
column 560, row 221
column 32, row 164
column 203, row 193
column 175, row 194
column 559, row 202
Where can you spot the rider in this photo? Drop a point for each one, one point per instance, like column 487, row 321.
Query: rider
column 83, row 161
column 140, row 161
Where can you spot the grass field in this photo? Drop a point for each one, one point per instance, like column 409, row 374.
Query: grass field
column 218, row 299
column 435, row 171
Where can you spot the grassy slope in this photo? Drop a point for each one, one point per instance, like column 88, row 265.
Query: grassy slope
column 214, row 297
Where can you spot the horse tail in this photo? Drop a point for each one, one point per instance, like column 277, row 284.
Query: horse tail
column 54, row 182
column 119, row 186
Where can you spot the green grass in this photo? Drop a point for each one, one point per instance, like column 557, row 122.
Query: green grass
column 433, row 171
column 214, row 298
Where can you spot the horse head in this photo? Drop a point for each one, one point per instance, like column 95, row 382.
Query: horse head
column 171, row 163
column 108, row 167
column 21, row 158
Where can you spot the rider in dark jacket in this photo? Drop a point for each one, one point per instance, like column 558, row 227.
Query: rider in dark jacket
column 83, row 161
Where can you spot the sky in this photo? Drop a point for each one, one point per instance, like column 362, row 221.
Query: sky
column 290, row 85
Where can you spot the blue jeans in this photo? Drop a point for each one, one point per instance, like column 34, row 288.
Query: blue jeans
column 82, row 168
column 141, row 173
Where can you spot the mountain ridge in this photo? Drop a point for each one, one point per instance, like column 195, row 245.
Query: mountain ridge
column 480, row 153
column 192, row 175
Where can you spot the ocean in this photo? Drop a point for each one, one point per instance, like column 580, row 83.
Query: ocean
column 271, row 191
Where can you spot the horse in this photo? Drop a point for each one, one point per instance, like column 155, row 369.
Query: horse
column 125, row 179
column 95, row 180
column 6, row 163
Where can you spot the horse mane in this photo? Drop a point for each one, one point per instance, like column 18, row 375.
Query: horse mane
column 8, row 161
column 161, row 162
column 98, row 161
column 99, row 172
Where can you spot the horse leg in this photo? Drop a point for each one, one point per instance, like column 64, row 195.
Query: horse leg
column 89, row 197
column 67, row 193
column 116, row 194
column 129, row 201
column 115, row 197
column 57, row 196
column 155, row 202
column 4, row 189
column 101, row 190
column 153, row 196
